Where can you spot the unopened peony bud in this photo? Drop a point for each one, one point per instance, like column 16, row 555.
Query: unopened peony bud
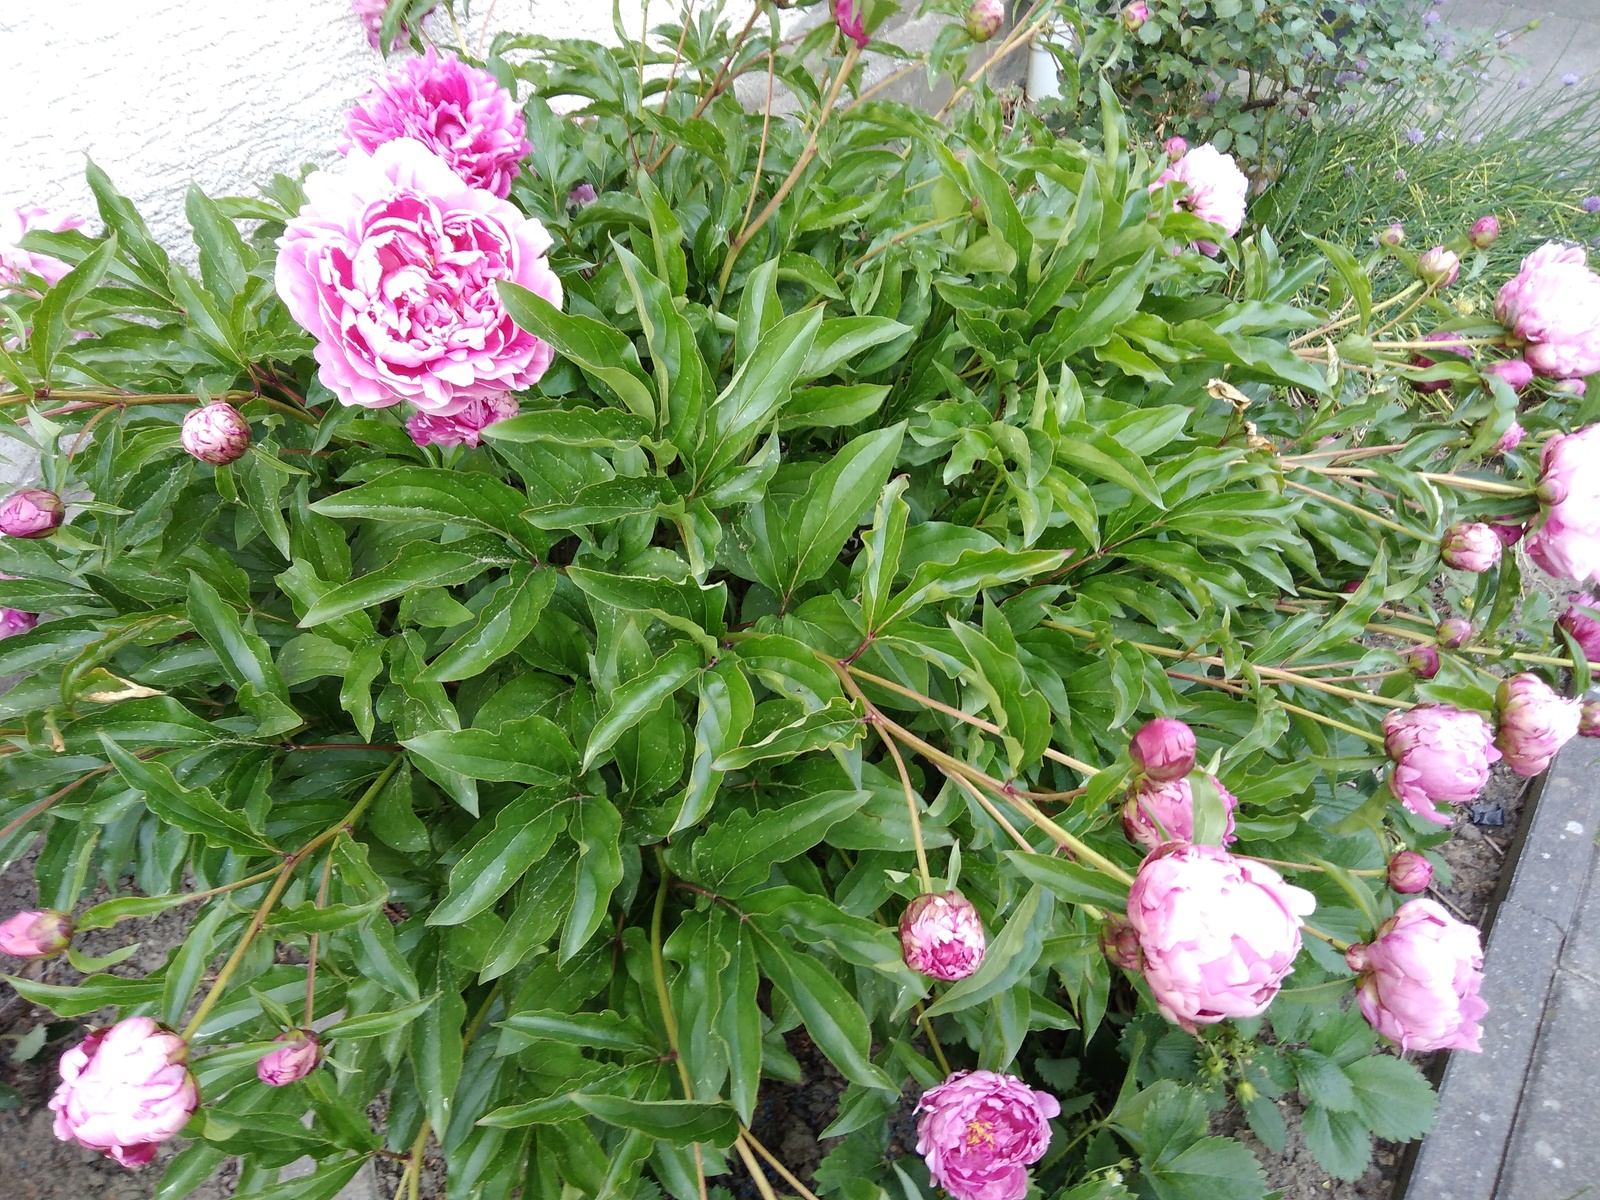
column 1569, row 387
column 31, row 513
column 1119, row 942
column 1423, row 661
column 984, row 19
column 125, row 1090
column 941, row 935
column 1455, row 632
column 1135, row 15
column 847, row 15
column 14, row 621
column 217, row 434
column 1176, row 147
column 1163, row 749
column 1511, row 439
column 43, row 933
column 296, row 1058
column 1535, row 723
column 1393, row 236
column 1517, row 373
column 1485, row 232
column 1470, row 546
column 1439, row 268
column 1356, row 958
column 582, row 196
column 1581, row 625
column 979, row 1131
column 1410, row 873
column 1420, row 977
column 1589, row 722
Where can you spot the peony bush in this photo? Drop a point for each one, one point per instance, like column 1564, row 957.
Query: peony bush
column 580, row 610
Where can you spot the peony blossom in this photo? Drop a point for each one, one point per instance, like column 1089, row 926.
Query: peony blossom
column 39, row 934
column 1517, row 373
column 1439, row 268
column 1218, row 933
column 295, row 1058
column 1508, row 531
column 1164, row 812
column 14, row 621
column 1441, row 755
column 1447, row 342
column 370, row 14
column 16, row 264
column 460, row 113
column 31, row 513
column 1410, row 873
column 979, row 1131
column 1485, row 232
column 1176, row 147
column 1535, row 722
column 463, row 428
column 1420, row 977
column 125, row 1090
column 1423, row 661
column 1470, row 546
column 217, row 434
column 582, row 195
column 1216, row 190
column 984, row 19
column 394, row 265
column 1582, row 623
column 1510, row 440
column 1163, row 749
column 847, row 15
column 941, row 935
column 1455, row 632
column 1553, row 304
column 1135, row 15
column 1567, row 543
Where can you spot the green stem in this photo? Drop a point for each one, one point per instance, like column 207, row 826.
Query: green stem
column 1365, row 514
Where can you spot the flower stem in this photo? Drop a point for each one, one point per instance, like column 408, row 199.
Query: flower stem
column 311, row 954
column 669, row 1020
column 1365, row 514
column 1326, row 937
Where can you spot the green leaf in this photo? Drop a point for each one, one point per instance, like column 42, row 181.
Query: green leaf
column 532, row 751
column 52, row 319
column 584, row 428
column 598, row 349
column 504, row 622
column 193, row 810
column 419, row 565
column 678, row 1122
column 836, row 499
column 596, row 829
column 469, row 499
column 523, row 833
column 95, row 992
column 758, row 390
column 188, row 1170
column 639, row 697
column 108, row 912
column 596, row 1031
column 245, row 658
column 840, row 339
column 1212, row 1168
column 325, row 1184
column 831, row 1014
column 1338, row 1140
column 378, row 1023
column 726, row 708
column 1321, row 1081
column 838, row 725
column 1010, row 958
column 225, row 261
column 971, row 573
column 1071, row 882
column 1393, row 1098
column 189, row 963
column 737, row 853
column 436, row 1056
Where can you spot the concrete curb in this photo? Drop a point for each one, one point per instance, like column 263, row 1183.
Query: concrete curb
column 1512, row 1121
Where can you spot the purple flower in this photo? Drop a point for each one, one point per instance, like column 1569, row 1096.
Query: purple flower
column 582, row 195
column 1212, row 96
column 1591, row 204
column 1430, row 19
column 847, row 15
column 1415, row 136
column 464, row 428
column 1570, row 79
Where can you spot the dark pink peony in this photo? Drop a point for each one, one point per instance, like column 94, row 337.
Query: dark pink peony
column 1423, row 661
column 941, row 935
column 1485, row 232
column 1163, row 749
column 1517, row 373
column 1567, row 543
column 1410, row 873
column 979, row 1131
column 847, row 15
column 125, row 1090
column 370, row 13
column 1420, row 978
column 1553, row 304
column 1535, row 722
column 40, row 934
column 464, row 428
column 298, row 1053
column 394, row 265
column 1582, row 622
column 1470, row 546
column 1455, row 632
column 1164, row 812
column 1216, row 190
column 14, row 621
column 1441, row 755
column 16, row 264
column 31, row 513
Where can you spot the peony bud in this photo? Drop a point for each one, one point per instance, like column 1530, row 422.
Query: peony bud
column 217, row 434
column 43, row 933
column 31, row 513
column 1420, row 977
column 852, row 22
column 1155, row 813
column 1176, row 148
column 1440, row 754
column 1485, row 232
column 1535, row 723
column 1163, row 749
column 1582, row 626
column 984, row 19
column 1569, row 387
column 1439, row 268
column 1135, row 15
column 1517, row 373
column 1119, row 942
column 1508, row 532
column 1448, row 342
column 14, row 621
column 1589, row 722
column 1392, row 236
column 125, row 1090
column 582, row 196
column 1356, row 958
column 295, row 1059
column 1455, row 632
column 1410, row 873
column 1470, row 546
column 1510, row 440
column 979, row 1131
column 1423, row 661
column 941, row 935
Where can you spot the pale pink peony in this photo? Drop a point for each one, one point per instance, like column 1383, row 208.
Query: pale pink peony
column 1517, row 373
column 40, row 934
column 1583, row 626
column 125, row 1090
column 1217, row 190
column 847, row 15
column 979, row 1131
column 1485, row 232
column 16, row 264
column 464, row 428
column 1470, row 546
column 393, row 267
column 1553, row 304
column 1441, row 755
column 1218, row 933
column 217, row 434
column 460, row 113
column 1420, row 977
column 1410, row 873
column 1535, row 722
column 1164, row 812
column 294, row 1059
column 14, row 621
column 31, row 513
column 1439, row 268
column 1163, row 749
column 941, row 935
column 1567, row 542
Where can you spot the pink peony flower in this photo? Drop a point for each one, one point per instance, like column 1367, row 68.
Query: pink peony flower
column 40, row 934
column 1510, row 440
column 1410, row 873
column 1163, row 749
column 1423, row 661
column 1135, row 15
column 1517, row 373
column 984, row 19
column 14, row 621
column 1164, row 812
column 1470, row 546
column 1439, row 268
column 1583, row 626
column 1535, row 722
column 1553, row 304
column 1455, row 632
column 217, row 434
column 1447, row 342
column 1485, row 232
column 295, row 1059
column 1216, row 190
column 393, row 267
column 1567, row 543
column 582, row 196
column 125, row 1090
column 1218, row 933
column 16, row 264
column 1569, row 387
column 31, row 513
column 1508, row 531
column 979, row 1131
column 847, row 15
column 941, row 935
column 1441, row 755
column 1176, row 147
column 460, row 113
column 463, row 428
column 1420, row 977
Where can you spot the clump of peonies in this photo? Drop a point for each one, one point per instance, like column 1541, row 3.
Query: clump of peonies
column 217, row 434
column 1163, row 749
column 394, row 266
column 1218, row 934
column 941, row 935
column 1535, row 723
column 984, row 19
column 1439, row 268
column 125, row 1090
column 1441, row 755
column 1423, row 661
column 1216, row 190
column 1164, row 812
column 852, row 22
column 979, row 1131
column 296, row 1057
column 1485, row 232
column 1567, row 542
column 1410, row 873
column 1582, row 623
column 43, row 933
column 460, row 113
column 1553, row 304
column 1470, row 546
column 464, row 428
column 16, row 264
column 1447, row 342
column 1419, row 979
column 1455, row 632
column 1518, row 375
column 31, row 513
